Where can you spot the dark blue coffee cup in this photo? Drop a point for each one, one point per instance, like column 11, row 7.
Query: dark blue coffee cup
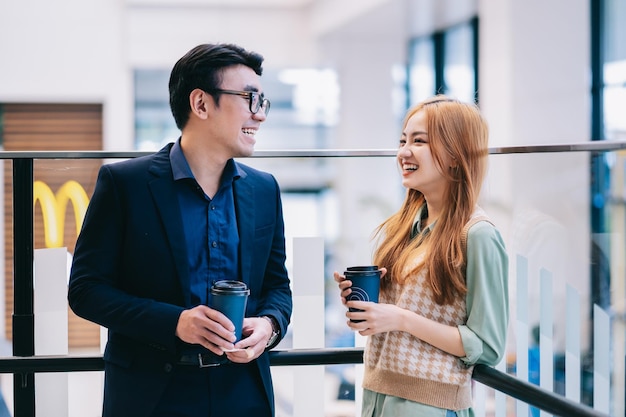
column 230, row 297
column 365, row 284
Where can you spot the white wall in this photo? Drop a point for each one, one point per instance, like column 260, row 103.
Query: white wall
column 67, row 51
column 85, row 51
column 535, row 90
column 158, row 36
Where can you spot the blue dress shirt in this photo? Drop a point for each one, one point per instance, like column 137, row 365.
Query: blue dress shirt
column 210, row 224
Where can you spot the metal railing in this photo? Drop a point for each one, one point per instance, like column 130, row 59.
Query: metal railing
column 524, row 391
column 23, row 365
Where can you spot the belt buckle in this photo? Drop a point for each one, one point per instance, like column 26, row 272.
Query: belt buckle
column 206, row 365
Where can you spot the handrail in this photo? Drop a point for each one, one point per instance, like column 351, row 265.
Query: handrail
column 594, row 146
column 524, row 391
column 534, row 395
column 63, row 363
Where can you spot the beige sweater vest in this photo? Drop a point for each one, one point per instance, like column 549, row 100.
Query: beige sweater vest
column 400, row 364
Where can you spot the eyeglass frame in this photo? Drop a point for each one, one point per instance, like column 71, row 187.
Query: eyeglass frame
column 263, row 102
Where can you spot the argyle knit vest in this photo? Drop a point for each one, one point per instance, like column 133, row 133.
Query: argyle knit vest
column 399, row 364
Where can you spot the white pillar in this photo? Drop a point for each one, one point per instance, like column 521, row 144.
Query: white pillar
column 308, row 323
column 368, row 189
column 51, row 328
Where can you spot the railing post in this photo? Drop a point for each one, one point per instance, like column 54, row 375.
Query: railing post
column 23, row 253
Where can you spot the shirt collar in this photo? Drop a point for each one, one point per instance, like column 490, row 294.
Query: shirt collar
column 181, row 169
column 417, row 227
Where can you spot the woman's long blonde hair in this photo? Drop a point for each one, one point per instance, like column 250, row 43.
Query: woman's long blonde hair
column 456, row 132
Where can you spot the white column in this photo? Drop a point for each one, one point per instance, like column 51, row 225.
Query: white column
column 308, row 323
column 601, row 360
column 368, row 189
column 50, row 309
column 572, row 346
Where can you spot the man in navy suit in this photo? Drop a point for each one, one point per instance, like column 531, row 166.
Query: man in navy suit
column 160, row 229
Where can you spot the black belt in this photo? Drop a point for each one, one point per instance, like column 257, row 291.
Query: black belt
column 201, row 360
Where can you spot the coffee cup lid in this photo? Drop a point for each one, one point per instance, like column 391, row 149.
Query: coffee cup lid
column 230, row 287
column 362, row 268
column 356, row 271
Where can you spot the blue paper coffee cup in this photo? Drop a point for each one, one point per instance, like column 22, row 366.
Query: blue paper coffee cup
column 230, row 297
column 365, row 284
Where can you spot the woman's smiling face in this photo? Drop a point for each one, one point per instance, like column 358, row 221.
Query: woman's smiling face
column 419, row 169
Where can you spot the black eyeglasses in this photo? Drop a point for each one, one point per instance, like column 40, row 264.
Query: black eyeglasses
column 256, row 101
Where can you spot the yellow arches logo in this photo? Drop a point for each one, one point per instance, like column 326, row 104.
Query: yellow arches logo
column 54, row 206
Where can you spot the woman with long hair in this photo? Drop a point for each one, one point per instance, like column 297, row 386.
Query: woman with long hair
column 443, row 303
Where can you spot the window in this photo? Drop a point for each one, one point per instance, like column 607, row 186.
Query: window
column 445, row 63
column 614, row 70
column 608, row 98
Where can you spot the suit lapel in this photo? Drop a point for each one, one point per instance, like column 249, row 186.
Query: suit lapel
column 244, row 206
column 162, row 189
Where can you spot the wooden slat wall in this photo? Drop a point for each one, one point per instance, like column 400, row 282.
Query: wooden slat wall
column 51, row 127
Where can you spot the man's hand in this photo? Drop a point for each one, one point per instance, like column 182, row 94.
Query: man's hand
column 256, row 332
column 207, row 327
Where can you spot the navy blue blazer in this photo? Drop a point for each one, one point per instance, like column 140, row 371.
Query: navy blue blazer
column 129, row 272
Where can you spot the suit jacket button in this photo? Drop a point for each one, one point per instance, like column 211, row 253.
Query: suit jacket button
column 168, row 367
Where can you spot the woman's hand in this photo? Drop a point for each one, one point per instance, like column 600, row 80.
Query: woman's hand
column 375, row 317
column 344, row 286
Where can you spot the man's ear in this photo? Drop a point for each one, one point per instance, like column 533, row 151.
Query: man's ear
column 199, row 102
